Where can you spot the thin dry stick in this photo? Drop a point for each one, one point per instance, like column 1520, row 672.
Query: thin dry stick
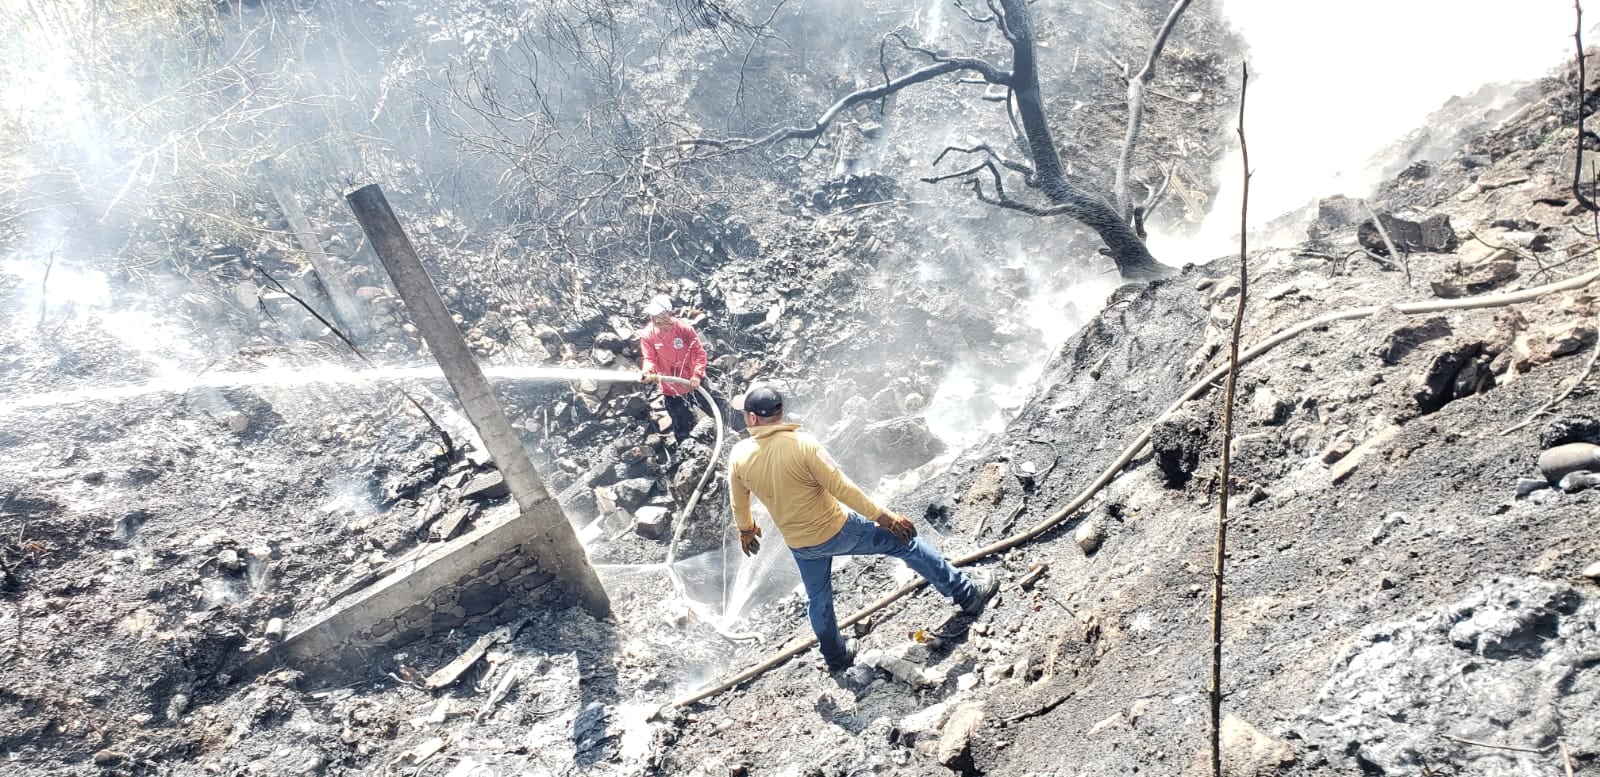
column 1566, row 756
column 1474, row 742
column 1227, row 454
column 1589, row 367
column 1394, row 253
column 1196, row 389
column 1577, row 165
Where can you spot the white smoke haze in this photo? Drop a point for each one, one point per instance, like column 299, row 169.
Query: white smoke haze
column 1333, row 83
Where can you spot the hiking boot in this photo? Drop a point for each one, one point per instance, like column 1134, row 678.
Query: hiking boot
column 839, row 663
column 984, row 586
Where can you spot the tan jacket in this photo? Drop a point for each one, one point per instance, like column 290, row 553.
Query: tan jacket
column 798, row 482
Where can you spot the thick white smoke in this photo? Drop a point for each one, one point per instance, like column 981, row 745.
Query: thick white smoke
column 1333, row 83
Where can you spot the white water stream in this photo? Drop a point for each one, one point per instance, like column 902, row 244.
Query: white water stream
column 281, row 377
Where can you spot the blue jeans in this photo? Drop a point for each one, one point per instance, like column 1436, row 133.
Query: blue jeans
column 860, row 537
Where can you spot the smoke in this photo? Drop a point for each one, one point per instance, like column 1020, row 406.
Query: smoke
column 1333, row 83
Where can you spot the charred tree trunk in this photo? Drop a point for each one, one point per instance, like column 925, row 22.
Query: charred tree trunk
column 1124, row 246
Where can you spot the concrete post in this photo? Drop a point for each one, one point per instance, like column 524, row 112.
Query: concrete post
column 346, row 311
column 558, row 550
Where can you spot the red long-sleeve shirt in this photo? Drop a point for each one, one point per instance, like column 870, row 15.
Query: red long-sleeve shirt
column 675, row 352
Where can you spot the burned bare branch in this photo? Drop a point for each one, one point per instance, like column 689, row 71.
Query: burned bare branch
column 820, row 126
column 1136, row 90
column 1583, row 97
column 984, row 148
column 973, row 15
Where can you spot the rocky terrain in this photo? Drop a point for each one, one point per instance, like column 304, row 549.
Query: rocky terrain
column 1406, row 592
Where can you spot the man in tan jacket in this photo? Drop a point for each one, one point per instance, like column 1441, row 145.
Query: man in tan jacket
column 818, row 510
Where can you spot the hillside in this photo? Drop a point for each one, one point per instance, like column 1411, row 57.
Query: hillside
column 197, row 467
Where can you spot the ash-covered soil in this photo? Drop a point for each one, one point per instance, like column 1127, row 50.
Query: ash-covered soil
column 1396, row 601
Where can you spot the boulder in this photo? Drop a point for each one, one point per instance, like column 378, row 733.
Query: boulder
column 955, row 740
column 1433, row 234
column 487, row 486
column 1269, row 409
column 1579, row 481
column 1563, row 460
column 1247, row 752
column 1405, row 339
column 1177, row 441
column 633, row 492
column 1576, row 428
column 874, row 450
column 650, row 522
column 1436, row 383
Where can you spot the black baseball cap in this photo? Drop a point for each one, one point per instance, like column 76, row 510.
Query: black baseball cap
column 763, row 399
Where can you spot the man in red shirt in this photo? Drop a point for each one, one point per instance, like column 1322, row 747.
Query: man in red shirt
column 671, row 348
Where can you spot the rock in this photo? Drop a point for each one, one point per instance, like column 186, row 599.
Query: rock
column 1526, row 486
column 899, row 668
column 526, row 339
column 1348, row 464
column 108, row 757
column 987, row 488
column 1405, row 339
column 1571, row 337
column 1570, row 429
column 1337, row 212
column 1562, row 460
column 480, row 597
column 605, row 500
column 274, row 630
column 958, row 730
column 1089, row 536
column 743, row 310
column 1387, row 527
column 1338, row 449
column 603, row 357
column 1247, row 752
column 1280, row 291
column 633, row 492
column 1475, row 377
column 683, row 482
column 1467, row 279
column 1437, row 381
column 228, row 561
column 1592, row 571
column 1177, row 441
column 1269, row 409
column 651, row 522
column 1433, row 234
column 1578, row 481
column 235, row 421
column 871, row 451
column 489, row 485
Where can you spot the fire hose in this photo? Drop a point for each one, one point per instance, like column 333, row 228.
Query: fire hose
column 682, row 519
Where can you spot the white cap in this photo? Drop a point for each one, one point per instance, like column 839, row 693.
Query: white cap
column 658, row 304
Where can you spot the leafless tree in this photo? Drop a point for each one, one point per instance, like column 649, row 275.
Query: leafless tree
column 1042, row 168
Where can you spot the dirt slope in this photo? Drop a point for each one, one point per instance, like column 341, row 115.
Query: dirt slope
column 1389, row 595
